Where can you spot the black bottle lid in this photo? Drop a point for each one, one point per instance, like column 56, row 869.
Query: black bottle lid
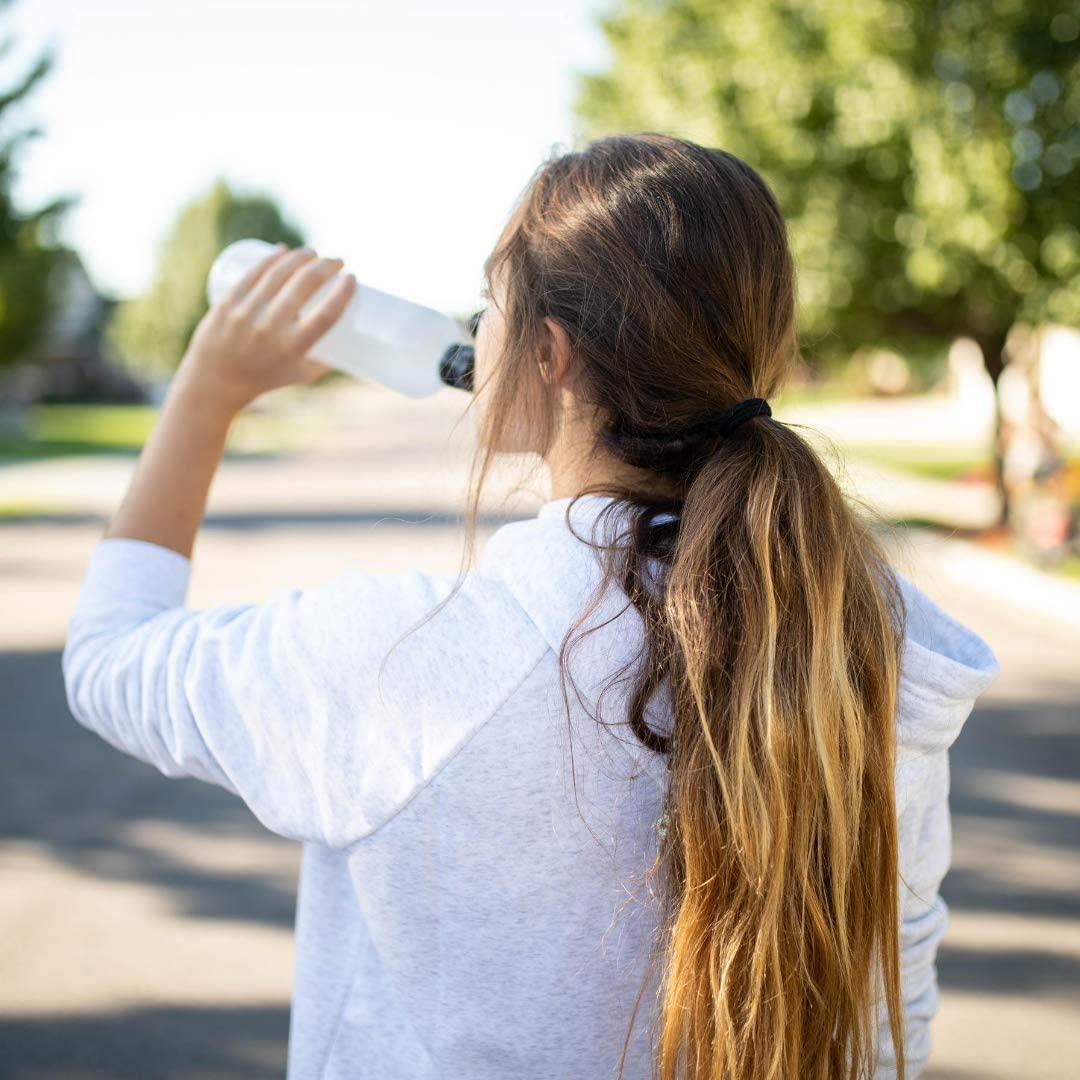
column 456, row 367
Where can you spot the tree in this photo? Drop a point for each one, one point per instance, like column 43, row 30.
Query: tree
column 151, row 333
column 30, row 260
column 923, row 151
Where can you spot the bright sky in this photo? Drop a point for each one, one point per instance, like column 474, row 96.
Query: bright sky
column 396, row 134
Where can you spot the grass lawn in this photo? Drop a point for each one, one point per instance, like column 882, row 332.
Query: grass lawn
column 994, row 540
column 1070, row 567
column 924, row 460
column 973, row 468
column 60, row 430
column 943, row 464
column 822, row 393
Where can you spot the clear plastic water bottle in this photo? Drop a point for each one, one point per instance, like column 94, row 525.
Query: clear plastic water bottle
column 413, row 349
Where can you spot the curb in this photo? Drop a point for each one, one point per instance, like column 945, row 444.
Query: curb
column 1005, row 579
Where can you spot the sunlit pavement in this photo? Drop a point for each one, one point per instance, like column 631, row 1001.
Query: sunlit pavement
column 148, row 921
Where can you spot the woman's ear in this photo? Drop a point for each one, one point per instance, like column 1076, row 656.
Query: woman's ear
column 556, row 362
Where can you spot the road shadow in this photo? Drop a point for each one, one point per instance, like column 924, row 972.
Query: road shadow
column 298, row 519
column 1015, row 803
column 220, row 1043
column 66, row 790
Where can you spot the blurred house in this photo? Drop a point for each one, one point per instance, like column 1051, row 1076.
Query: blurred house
column 72, row 363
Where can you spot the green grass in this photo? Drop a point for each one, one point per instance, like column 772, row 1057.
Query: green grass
column 117, row 427
column 63, row 430
column 922, row 460
column 810, row 394
column 925, row 460
column 1070, row 567
column 1067, row 568
column 16, row 510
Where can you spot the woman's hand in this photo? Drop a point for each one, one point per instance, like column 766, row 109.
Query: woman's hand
column 252, row 340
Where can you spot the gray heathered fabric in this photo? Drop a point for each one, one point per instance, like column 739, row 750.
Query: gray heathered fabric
column 461, row 911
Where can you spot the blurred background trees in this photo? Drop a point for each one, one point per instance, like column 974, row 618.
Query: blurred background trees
column 150, row 333
column 923, row 152
column 30, row 258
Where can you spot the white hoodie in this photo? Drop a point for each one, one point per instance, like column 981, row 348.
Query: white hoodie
column 462, row 910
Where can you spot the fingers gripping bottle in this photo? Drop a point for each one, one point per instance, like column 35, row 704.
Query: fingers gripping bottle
column 413, row 349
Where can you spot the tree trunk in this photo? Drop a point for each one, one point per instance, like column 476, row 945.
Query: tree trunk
column 994, row 357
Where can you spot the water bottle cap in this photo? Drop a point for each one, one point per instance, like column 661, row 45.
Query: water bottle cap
column 456, row 367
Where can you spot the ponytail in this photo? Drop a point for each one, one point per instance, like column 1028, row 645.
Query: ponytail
column 777, row 628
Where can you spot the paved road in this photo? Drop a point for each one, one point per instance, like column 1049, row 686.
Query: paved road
column 148, row 921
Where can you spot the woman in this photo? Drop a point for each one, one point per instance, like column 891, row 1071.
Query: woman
column 662, row 781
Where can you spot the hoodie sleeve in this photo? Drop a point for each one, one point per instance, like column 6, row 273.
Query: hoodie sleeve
column 275, row 702
column 924, row 915
column 946, row 667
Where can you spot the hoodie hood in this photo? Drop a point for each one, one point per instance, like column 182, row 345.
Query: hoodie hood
column 946, row 666
column 553, row 574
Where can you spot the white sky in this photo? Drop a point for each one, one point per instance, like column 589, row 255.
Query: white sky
column 396, row 134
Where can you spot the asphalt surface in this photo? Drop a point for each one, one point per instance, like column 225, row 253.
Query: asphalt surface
column 148, row 921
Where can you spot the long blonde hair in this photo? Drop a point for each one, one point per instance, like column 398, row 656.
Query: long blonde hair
column 774, row 623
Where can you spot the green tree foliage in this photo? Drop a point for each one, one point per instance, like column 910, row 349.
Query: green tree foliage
column 150, row 333
column 924, row 151
column 30, row 260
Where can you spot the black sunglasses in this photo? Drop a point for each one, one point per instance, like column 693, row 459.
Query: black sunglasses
column 474, row 321
column 457, row 365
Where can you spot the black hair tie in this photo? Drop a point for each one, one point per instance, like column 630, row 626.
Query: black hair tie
column 720, row 423
column 725, row 422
